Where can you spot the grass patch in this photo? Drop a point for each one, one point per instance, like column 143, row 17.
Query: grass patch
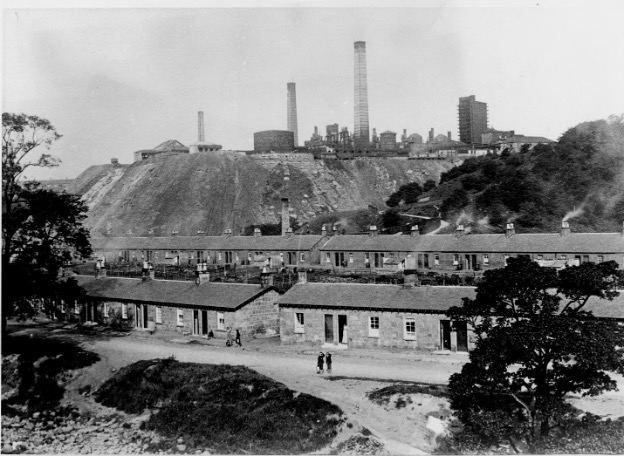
column 35, row 366
column 382, row 396
column 225, row 409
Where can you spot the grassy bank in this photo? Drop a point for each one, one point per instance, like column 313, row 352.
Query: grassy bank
column 222, row 408
column 35, row 369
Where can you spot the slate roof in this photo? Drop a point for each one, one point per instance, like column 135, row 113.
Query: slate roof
column 381, row 243
column 228, row 296
column 417, row 299
column 523, row 243
column 259, row 243
column 171, row 145
column 525, row 139
column 380, row 297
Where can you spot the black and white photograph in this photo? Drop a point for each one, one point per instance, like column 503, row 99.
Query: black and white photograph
column 312, row 227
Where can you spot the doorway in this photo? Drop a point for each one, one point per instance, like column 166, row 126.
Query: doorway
column 445, row 334
column 461, row 328
column 343, row 331
column 329, row 328
column 204, row 322
column 195, row 322
column 140, row 314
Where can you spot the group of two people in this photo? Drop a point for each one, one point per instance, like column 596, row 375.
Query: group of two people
column 322, row 360
column 229, row 341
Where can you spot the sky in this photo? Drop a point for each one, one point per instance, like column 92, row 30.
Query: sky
column 116, row 80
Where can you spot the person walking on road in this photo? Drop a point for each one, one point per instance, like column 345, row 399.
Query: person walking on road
column 319, row 363
column 328, row 361
column 238, row 338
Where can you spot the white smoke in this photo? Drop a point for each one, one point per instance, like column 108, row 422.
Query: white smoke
column 572, row 214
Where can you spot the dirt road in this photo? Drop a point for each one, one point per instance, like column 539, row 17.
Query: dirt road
column 401, row 431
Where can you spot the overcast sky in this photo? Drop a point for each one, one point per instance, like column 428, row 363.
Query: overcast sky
column 114, row 81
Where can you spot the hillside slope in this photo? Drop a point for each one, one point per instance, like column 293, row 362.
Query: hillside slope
column 580, row 179
column 215, row 191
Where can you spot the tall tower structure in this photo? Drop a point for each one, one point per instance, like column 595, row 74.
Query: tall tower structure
column 472, row 119
column 291, row 108
column 200, row 126
column 361, row 132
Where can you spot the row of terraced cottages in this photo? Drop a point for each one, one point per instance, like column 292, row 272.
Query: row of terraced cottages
column 344, row 314
column 441, row 253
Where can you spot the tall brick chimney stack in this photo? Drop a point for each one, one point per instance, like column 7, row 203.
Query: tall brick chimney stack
column 291, row 101
column 200, row 126
column 361, row 133
column 285, row 216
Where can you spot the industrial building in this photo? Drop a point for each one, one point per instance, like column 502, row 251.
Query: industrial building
column 361, row 133
column 473, row 119
column 166, row 149
column 274, row 140
column 202, row 145
column 291, row 110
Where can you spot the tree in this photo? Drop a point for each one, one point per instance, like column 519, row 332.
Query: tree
column 41, row 229
column 535, row 344
column 429, row 184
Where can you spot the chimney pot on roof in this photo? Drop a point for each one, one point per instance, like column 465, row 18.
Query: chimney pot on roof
column 200, row 231
column 324, row 230
column 565, row 228
column 335, row 229
column 257, row 232
column 174, row 232
column 415, row 232
column 410, row 278
column 373, row 231
column 203, row 276
column 150, row 233
column 302, row 277
column 289, row 232
column 460, row 230
column 266, row 279
column 228, row 232
column 509, row 230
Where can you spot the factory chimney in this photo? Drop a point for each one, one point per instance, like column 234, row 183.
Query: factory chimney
column 360, row 127
column 291, row 101
column 285, row 216
column 200, row 126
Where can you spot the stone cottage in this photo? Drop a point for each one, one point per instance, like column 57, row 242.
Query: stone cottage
column 367, row 315
column 182, row 307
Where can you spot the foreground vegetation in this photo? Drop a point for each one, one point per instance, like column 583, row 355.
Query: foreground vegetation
column 225, row 409
column 36, row 368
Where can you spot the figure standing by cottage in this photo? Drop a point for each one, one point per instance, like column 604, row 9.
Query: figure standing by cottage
column 319, row 363
column 228, row 336
column 238, row 338
column 328, row 361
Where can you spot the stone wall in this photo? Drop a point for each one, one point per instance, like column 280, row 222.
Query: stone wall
column 390, row 334
column 259, row 316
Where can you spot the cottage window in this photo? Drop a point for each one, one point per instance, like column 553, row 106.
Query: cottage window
column 436, row 259
column 76, row 308
column 350, row 258
column 563, row 257
column 228, row 257
column 180, row 321
column 200, row 256
column 105, row 313
column 600, row 258
column 220, row 321
column 327, row 257
column 409, row 328
column 540, row 257
column 455, row 259
column 158, row 314
column 302, row 257
column 506, row 259
column 486, row 259
column 148, row 255
column 249, row 257
column 124, row 311
column 367, row 260
column 585, row 258
column 373, row 326
column 299, row 326
column 219, row 256
column 281, row 256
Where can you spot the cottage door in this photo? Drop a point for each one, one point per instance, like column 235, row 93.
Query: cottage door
column 343, row 332
column 329, row 328
column 195, row 322
column 445, row 334
column 204, row 322
column 462, row 335
column 144, row 319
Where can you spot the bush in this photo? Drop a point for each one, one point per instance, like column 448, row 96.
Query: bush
column 226, row 409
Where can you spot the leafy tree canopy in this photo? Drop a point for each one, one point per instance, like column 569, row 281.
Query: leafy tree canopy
column 407, row 194
column 535, row 343
column 41, row 229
